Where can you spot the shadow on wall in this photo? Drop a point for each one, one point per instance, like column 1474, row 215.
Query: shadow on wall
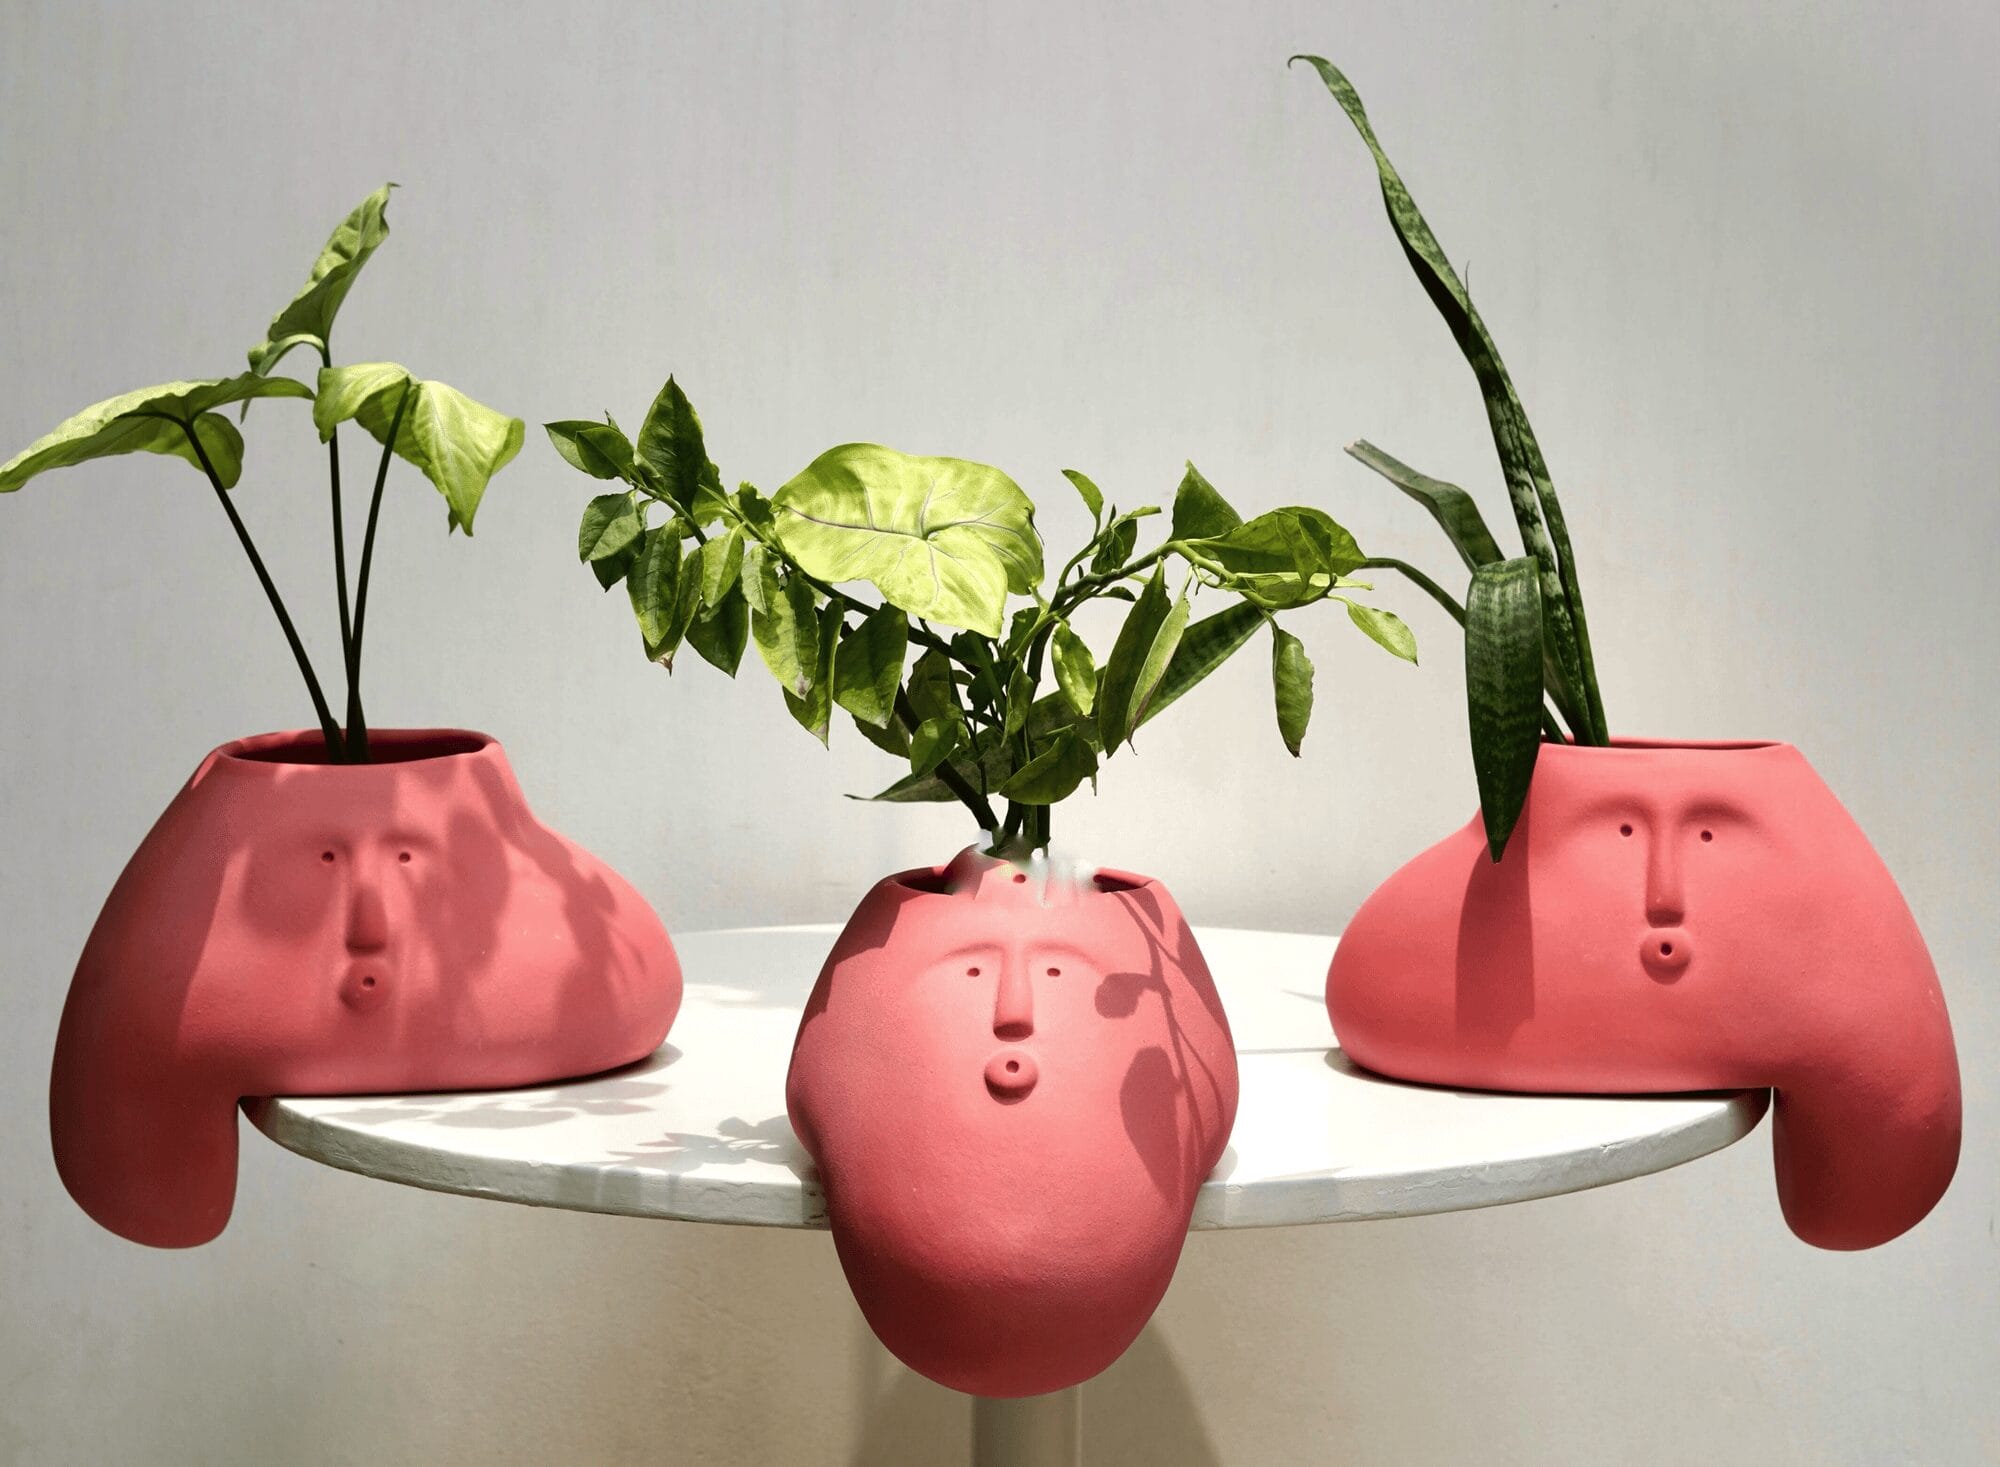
column 1140, row 1412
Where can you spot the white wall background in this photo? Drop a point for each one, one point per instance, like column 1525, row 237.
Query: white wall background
column 1740, row 258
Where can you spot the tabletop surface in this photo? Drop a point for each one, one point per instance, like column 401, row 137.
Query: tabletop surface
column 698, row 1131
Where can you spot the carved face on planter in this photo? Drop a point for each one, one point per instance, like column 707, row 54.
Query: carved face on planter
column 1012, row 1093
column 1677, row 917
column 304, row 928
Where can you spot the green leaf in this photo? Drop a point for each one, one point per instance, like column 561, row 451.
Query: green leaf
column 1292, row 679
column 1384, row 628
column 1530, row 492
column 611, row 522
column 599, row 449
column 1139, row 660
column 943, row 538
column 614, row 568
column 1200, row 512
column 1076, row 671
column 912, row 789
column 930, row 686
column 1054, row 773
column 721, row 564
column 1093, row 497
column 457, row 443
column 870, row 666
column 1448, row 504
column 1204, row 647
column 1117, row 539
column 151, row 420
column 935, row 740
column 1282, row 559
column 1503, row 687
column 1020, row 697
column 814, row 708
column 309, row 317
column 654, row 584
column 670, row 446
column 890, row 738
column 720, row 632
column 754, row 577
column 786, row 631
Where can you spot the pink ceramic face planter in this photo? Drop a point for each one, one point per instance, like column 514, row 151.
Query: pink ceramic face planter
column 293, row 928
column 1677, row 917
column 1012, row 1097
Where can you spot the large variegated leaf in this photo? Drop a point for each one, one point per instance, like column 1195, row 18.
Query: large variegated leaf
column 458, row 444
column 308, row 320
column 942, row 538
column 152, row 420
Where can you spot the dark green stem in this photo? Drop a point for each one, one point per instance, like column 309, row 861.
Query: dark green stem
column 357, row 725
column 950, row 778
column 328, row 729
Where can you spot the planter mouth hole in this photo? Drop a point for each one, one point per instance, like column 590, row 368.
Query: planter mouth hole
column 307, row 748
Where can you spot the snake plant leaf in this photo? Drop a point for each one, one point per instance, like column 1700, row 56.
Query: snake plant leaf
column 1076, row 670
column 1292, row 682
column 942, row 538
column 1384, row 628
column 1454, row 510
column 598, row 449
column 1054, row 773
column 1204, row 647
column 1503, row 686
column 786, row 629
column 457, row 443
column 308, row 319
column 653, row 584
column 721, row 631
column 152, row 420
column 1199, row 511
column 1282, row 559
column 671, row 449
column 1139, row 660
column 869, row 668
column 814, row 708
column 1093, row 497
column 1530, row 492
column 610, row 524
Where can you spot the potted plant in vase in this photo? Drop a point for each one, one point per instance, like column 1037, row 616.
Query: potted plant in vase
column 1013, row 1072
column 1635, row 915
column 335, row 910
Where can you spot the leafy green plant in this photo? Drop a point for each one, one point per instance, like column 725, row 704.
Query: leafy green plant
column 456, row 443
column 1525, row 631
column 969, row 667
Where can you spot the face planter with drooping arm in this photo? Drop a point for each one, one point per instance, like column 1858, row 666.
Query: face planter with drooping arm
column 310, row 928
column 1677, row 917
column 1012, row 1092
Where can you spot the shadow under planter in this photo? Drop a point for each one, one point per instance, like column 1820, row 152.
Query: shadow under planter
column 1677, row 916
column 291, row 926
column 1012, row 1089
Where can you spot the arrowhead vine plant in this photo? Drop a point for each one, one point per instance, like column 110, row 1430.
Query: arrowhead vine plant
column 457, row 444
column 1525, row 632
column 966, row 662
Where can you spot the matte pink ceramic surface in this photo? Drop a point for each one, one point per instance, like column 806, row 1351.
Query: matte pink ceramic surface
column 1013, row 1096
column 1677, row 917
column 300, row 928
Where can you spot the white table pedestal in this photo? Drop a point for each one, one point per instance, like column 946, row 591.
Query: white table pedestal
column 698, row 1132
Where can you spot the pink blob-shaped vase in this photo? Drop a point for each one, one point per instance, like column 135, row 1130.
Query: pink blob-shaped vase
column 1674, row 916
column 1013, row 1088
column 293, row 927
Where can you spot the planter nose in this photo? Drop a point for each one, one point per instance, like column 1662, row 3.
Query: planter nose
column 1666, row 952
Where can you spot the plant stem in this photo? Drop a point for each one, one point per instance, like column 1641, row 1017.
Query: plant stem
column 329, row 730
column 340, row 554
column 950, row 778
column 357, row 725
column 1418, row 579
column 1080, row 591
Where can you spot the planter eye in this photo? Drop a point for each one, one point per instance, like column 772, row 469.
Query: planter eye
column 1055, row 972
column 1624, row 830
column 972, row 972
column 1708, row 835
column 404, row 856
column 327, row 857
column 1019, row 878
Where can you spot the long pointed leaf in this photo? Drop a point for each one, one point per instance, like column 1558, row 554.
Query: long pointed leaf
column 1454, row 510
column 1503, row 689
column 1204, row 647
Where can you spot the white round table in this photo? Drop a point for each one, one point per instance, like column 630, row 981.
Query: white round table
column 697, row 1133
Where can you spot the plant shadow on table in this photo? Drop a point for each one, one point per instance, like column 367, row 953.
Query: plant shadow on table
column 735, row 1142
column 1141, row 1412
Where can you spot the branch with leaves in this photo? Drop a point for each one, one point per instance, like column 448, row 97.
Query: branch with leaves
column 457, row 444
column 964, row 661
column 1526, row 636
